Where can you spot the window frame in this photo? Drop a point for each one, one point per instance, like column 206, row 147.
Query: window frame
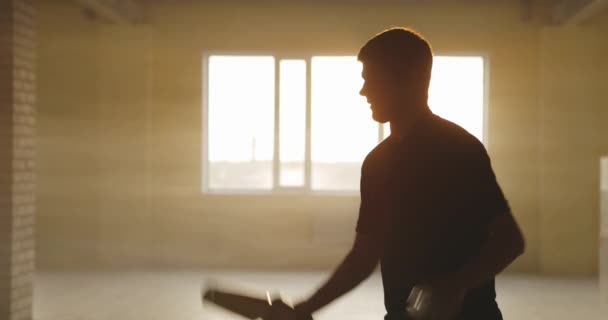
column 306, row 188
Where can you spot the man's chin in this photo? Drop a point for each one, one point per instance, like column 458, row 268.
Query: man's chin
column 379, row 118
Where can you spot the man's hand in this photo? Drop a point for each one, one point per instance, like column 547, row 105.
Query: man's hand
column 440, row 299
column 281, row 311
column 446, row 300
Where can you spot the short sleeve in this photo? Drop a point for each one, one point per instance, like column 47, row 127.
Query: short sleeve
column 486, row 196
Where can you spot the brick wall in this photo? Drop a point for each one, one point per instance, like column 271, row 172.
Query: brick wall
column 17, row 154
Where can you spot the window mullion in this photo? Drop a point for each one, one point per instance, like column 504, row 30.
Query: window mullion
column 205, row 126
column 307, row 151
column 276, row 172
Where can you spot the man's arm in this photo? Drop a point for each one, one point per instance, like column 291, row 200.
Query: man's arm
column 505, row 243
column 356, row 267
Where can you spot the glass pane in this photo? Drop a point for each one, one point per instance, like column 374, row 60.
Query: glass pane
column 292, row 121
column 387, row 130
column 240, row 122
column 343, row 131
column 456, row 91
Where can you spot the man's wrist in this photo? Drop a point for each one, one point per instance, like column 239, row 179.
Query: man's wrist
column 304, row 307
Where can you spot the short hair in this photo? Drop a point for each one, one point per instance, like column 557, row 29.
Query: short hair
column 399, row 49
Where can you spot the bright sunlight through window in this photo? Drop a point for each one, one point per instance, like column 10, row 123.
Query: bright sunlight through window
column 323, row 130
column 241, row 122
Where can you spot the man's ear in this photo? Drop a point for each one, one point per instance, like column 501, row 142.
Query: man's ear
column 403, row 78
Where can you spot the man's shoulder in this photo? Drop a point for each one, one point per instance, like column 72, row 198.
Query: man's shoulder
column 377, row 153
column 453, row 137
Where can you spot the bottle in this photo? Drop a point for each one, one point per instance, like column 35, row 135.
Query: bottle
column 419, row 303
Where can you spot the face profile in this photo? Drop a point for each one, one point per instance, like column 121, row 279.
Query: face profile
column 396, row 72
column 387, row 94
column 373, row 90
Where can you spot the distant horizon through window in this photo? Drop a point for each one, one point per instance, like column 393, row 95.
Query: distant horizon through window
column 240, row 124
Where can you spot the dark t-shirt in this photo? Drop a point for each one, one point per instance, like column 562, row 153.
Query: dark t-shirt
column 429, row 199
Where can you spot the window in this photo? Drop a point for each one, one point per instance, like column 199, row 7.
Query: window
column 292, row 123
column 298, row 124
column 241, row 120
column 342, row 130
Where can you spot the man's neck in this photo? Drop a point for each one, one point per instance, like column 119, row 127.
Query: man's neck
column 403, row 126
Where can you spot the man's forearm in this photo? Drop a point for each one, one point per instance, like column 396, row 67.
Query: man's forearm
column 504, row 245
column 355, row 268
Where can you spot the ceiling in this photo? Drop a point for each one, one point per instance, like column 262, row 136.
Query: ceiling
column 551, row 11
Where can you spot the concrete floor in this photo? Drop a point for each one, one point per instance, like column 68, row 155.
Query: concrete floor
column 176, row 296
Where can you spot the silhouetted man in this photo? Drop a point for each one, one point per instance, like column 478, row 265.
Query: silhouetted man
column 431, row 210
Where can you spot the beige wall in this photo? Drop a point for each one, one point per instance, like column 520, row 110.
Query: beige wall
column 574, row 133
column 68, row 133
column 127, row 112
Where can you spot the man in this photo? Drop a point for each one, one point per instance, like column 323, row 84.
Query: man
column 431, row 210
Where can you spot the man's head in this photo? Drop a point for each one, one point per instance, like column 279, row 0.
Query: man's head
column 397, row 70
